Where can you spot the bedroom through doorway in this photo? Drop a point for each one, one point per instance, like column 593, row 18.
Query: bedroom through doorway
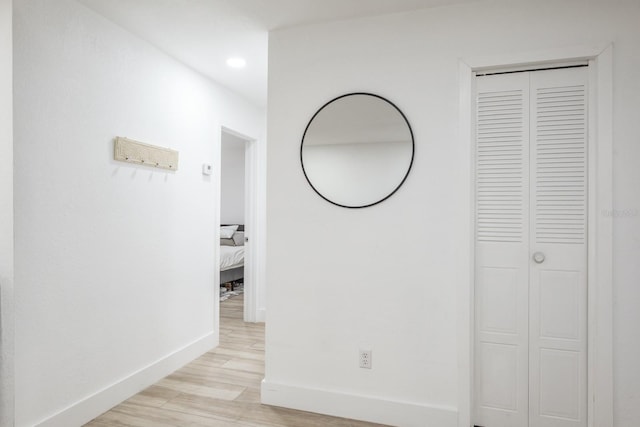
column 236, row 215
column 232, row 216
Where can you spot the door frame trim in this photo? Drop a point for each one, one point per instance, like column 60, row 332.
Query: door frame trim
column 600, row 221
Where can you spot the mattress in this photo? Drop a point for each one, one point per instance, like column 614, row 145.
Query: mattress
column 231, row 257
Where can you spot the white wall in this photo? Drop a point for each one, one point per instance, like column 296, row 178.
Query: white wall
column 113, row 262
column 387, row 277
column 6, row 216
column 232, row 180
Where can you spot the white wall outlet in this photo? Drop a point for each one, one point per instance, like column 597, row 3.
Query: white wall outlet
column 207, row 169
column 365, row 359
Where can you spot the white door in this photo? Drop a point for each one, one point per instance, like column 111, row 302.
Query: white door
column 531, row 250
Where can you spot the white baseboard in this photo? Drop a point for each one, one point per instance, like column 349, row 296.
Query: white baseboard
column 358, row 407
column 90, row 407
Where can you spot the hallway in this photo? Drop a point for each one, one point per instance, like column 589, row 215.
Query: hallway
column 220, row 388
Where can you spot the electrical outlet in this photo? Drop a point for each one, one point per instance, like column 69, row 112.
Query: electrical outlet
column 365, row 359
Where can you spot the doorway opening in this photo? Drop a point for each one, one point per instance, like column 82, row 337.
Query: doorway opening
column 237, row 221
column 232, row 215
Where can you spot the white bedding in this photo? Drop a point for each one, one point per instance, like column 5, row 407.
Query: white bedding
column 231, row 257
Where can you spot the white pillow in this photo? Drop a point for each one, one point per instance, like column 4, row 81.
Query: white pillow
column 226, row 231
column 238, row 238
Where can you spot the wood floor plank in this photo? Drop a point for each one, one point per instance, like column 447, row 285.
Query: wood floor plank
column 220, row 388
column 209, row 407
column 155, row 395
column 216, row 390
column 248, row 365
column 246, row 353
column 241, row 378
column 145, row 416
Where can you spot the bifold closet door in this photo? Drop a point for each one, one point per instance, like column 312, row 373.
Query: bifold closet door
column 530, row 273
column 502, row 248
column 558, row 284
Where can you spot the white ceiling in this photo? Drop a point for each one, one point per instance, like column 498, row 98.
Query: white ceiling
column 204, row 33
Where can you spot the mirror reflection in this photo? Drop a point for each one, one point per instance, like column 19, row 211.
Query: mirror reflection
column 357, row 150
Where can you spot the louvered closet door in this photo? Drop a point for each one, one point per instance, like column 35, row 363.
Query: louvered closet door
column 558, row 286
column 502, row 248
column 530, row 315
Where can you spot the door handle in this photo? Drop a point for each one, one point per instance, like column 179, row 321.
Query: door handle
column 538, row 257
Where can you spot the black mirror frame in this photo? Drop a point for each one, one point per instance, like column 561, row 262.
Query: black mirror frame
column 413, row 149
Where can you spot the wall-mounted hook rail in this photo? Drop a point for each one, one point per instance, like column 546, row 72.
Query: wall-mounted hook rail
column 130, row 151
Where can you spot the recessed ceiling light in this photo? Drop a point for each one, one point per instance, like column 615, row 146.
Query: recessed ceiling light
column 236, row 62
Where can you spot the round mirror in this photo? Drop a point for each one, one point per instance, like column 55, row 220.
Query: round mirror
column 357, row 150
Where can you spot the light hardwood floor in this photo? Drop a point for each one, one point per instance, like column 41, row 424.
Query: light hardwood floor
column 220, row 388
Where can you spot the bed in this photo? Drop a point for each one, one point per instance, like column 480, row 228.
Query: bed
column 231, row 254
